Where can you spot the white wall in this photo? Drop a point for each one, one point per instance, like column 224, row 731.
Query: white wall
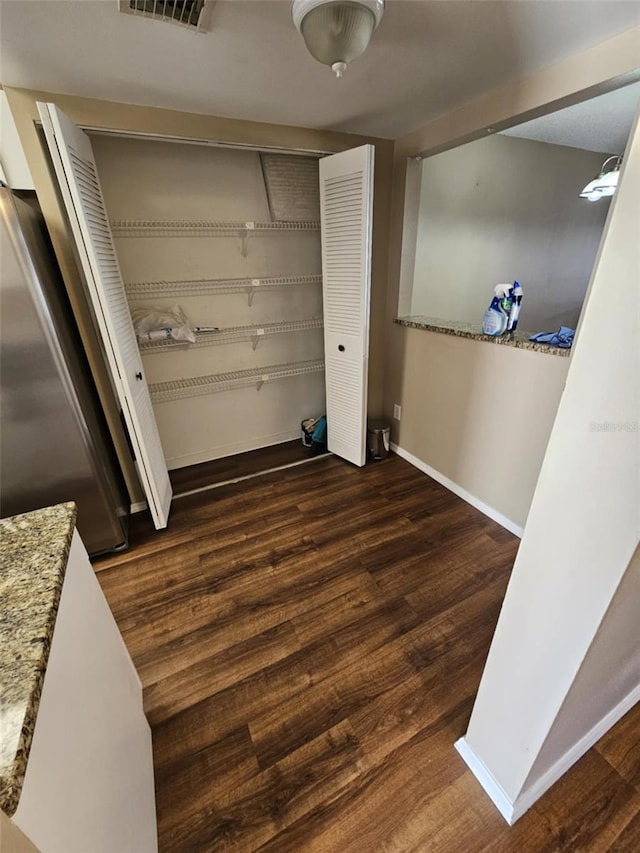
column 88, row 784
column 160, row 180
column 613, row 659
column 582, row 530
column 500, row 209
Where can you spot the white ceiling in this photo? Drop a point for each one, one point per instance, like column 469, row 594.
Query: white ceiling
column 426, row 58
column 602, row 124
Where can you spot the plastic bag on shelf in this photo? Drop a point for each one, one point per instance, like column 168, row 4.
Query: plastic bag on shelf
column 153, row 324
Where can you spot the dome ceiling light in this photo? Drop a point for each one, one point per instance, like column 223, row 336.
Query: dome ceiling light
column 336, row 31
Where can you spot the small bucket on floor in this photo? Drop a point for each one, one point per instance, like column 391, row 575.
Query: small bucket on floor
column 378, row 433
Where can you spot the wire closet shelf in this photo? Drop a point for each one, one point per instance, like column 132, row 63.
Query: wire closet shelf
column 232, row 335
column 201, row 228
column 212, row 286
column 195, row 386
column 205, row 228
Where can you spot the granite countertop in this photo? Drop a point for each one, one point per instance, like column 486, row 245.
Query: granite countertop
column 34, row 548
column 517, row 339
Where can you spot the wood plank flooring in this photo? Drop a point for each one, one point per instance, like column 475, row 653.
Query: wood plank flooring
column 310, row 643
column 240, row 465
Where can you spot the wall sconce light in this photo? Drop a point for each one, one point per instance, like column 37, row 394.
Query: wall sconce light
column 336, row 31
column 603, row 185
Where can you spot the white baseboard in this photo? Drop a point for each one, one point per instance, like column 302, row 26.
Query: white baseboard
column 531, row 795
column 479, row 769
column 475, row 502
column 140, row 506
column 513, row 811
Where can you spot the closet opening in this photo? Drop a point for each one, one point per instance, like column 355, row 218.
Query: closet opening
column 203, row 265
column 219, row 251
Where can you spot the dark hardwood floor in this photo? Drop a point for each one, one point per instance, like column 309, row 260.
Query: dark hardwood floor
column 238, row 466
column 310, row 643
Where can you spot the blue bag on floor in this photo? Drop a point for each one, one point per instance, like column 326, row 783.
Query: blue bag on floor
column 319, row 435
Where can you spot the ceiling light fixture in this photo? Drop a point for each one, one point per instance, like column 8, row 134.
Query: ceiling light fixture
column 336, row 31
column 603, row 185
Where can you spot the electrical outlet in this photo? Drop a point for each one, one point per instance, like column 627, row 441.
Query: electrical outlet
column 397, row 411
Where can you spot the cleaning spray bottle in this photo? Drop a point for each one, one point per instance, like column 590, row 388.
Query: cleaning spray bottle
column 496, row 316
column 504, row 293
column 516, row 300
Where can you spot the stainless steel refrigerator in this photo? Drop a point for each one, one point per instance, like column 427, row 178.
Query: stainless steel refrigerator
column 54, row 442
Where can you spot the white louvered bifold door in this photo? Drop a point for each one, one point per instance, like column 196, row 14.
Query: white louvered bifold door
column 346, row 208
column 77, row 175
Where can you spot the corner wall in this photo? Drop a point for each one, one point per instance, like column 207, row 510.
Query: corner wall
column 608, row 680
column 562, row 608
column 508, row 478
column 478, row 413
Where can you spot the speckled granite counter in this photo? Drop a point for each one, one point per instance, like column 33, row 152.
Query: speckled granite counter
column 34, row 548
column 520, row 340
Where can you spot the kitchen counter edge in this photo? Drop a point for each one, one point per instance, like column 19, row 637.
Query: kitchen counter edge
column 34, row 550
column 519, row 340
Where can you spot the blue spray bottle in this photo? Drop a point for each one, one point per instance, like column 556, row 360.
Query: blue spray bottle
column 495, row 317
column 516, row 294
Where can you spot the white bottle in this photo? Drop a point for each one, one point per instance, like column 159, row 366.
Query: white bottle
column 495, row 319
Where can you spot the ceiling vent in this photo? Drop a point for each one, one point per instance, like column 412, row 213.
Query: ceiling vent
column 190, row 14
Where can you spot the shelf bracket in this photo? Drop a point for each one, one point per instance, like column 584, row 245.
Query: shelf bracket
column 255, row 338
column 251, row 291
column 244, row 237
